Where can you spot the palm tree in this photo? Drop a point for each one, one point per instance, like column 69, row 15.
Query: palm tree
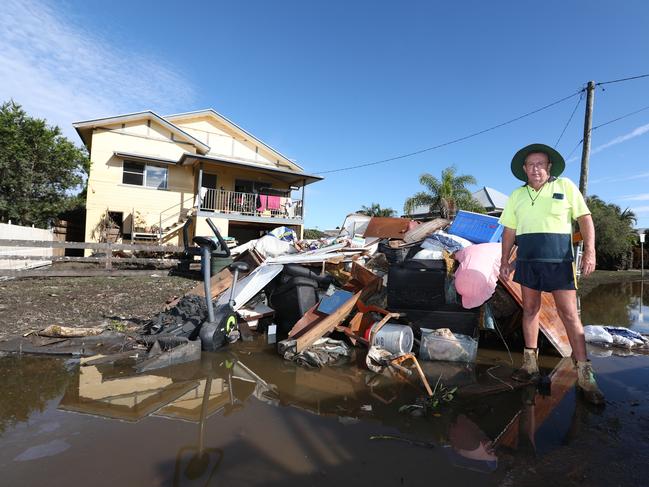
column 375, row 210
column 446, row 195
column 629, row 217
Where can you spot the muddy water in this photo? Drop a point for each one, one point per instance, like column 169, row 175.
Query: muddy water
column 245, row 417
column 621, row 304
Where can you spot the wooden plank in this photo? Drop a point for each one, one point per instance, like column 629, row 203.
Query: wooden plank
column 88, row 245
column 386, row 227
column 115, row 259
column 549, row 320
column 81, row 273
column 310, row 317
column 327, row 324
column 365, row 280
column 218, row 283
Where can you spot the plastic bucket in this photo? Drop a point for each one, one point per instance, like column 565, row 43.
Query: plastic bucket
column 217, row 264
column 392, row 337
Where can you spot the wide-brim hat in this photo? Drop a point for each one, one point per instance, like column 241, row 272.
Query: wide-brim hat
column 558, row 163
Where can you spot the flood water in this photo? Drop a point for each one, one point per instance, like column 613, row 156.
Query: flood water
column 246, row 417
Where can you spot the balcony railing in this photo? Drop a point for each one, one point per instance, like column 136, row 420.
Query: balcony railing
column 250, row 204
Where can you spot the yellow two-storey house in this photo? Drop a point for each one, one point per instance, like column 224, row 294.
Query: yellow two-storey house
column 149, row 173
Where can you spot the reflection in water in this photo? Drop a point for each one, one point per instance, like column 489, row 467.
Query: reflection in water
column 28, row 384
column 535, row 409
column 247, row 417
column 621, row 304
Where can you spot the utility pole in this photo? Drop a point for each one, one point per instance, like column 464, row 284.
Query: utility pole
column 588, row 125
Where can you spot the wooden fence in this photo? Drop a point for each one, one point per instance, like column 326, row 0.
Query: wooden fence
column 108, row 259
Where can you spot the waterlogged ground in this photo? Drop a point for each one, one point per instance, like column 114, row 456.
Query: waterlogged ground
column 246, row 417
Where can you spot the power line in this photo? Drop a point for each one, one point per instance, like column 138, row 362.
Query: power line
column 454, row 141
column 569, row 120
column 620, row 118
column 622, row 79
column 573, row 150
column 607, row 123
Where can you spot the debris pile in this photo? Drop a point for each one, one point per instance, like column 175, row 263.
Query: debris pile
column 385, row 286
column 391, row 289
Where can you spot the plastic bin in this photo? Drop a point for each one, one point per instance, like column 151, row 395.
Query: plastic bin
column 460, row 348
column 292, row 300
column 476, row 227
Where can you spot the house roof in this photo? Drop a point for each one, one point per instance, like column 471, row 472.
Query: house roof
column 491, row 198
column 85, row 127
column 244, row 133
column 292, row 177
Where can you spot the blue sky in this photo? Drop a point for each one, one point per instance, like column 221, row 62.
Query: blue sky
column 337, row 83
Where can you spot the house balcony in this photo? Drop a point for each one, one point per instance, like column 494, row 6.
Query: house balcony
column 235, row 205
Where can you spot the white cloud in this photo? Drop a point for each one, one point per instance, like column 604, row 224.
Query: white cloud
column 642, row 175
column 640, row 210
column 636, row 132
column 62, row 72
column 635, row 197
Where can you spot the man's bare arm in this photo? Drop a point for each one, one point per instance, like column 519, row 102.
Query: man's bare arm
column 509, row 236
column 587, row 230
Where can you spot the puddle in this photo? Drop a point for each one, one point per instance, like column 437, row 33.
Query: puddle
column 246, row 417
column 618, row 304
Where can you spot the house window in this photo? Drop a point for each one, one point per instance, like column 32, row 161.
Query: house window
column 247, row 186
column 144, row 175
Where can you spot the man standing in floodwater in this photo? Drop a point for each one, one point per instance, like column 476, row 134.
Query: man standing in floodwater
column 538, row 217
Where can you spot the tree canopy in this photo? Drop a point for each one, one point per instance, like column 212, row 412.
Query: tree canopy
column 446, row 195
column 614, row 233
column 375, row 210
column 41, row 171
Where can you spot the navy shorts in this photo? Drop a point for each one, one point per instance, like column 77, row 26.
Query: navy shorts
column 546, row 276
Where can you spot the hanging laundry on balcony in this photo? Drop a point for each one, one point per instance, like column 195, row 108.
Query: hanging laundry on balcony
column 273, row 203
column 262, row 202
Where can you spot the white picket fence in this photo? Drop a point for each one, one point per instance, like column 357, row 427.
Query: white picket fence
column 17, row 232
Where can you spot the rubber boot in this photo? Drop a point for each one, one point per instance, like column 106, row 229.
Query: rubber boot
column 587, row 385
column 529, row 371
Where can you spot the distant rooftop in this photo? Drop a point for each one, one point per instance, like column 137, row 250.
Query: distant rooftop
column 491, row 199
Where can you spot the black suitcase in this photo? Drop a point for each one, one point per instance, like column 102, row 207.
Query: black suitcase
column 416, row 284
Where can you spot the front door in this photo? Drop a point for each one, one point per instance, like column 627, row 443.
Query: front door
column 208, row 192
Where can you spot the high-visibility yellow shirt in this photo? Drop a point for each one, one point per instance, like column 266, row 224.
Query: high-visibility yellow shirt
column 543, row 219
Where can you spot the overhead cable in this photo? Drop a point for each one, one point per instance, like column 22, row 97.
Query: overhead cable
column 620, row 118
column 608, row 123
column 622, row 79
column 454, row 141
column 569, row 120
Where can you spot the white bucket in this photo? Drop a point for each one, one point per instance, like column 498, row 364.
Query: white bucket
column 393, row 337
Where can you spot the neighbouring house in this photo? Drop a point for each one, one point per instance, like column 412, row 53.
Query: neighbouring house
column 493, row 202
column 149, row 173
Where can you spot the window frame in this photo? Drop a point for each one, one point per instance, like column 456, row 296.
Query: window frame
column 145, row 171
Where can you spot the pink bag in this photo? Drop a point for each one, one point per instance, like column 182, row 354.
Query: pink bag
column 477, row 275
